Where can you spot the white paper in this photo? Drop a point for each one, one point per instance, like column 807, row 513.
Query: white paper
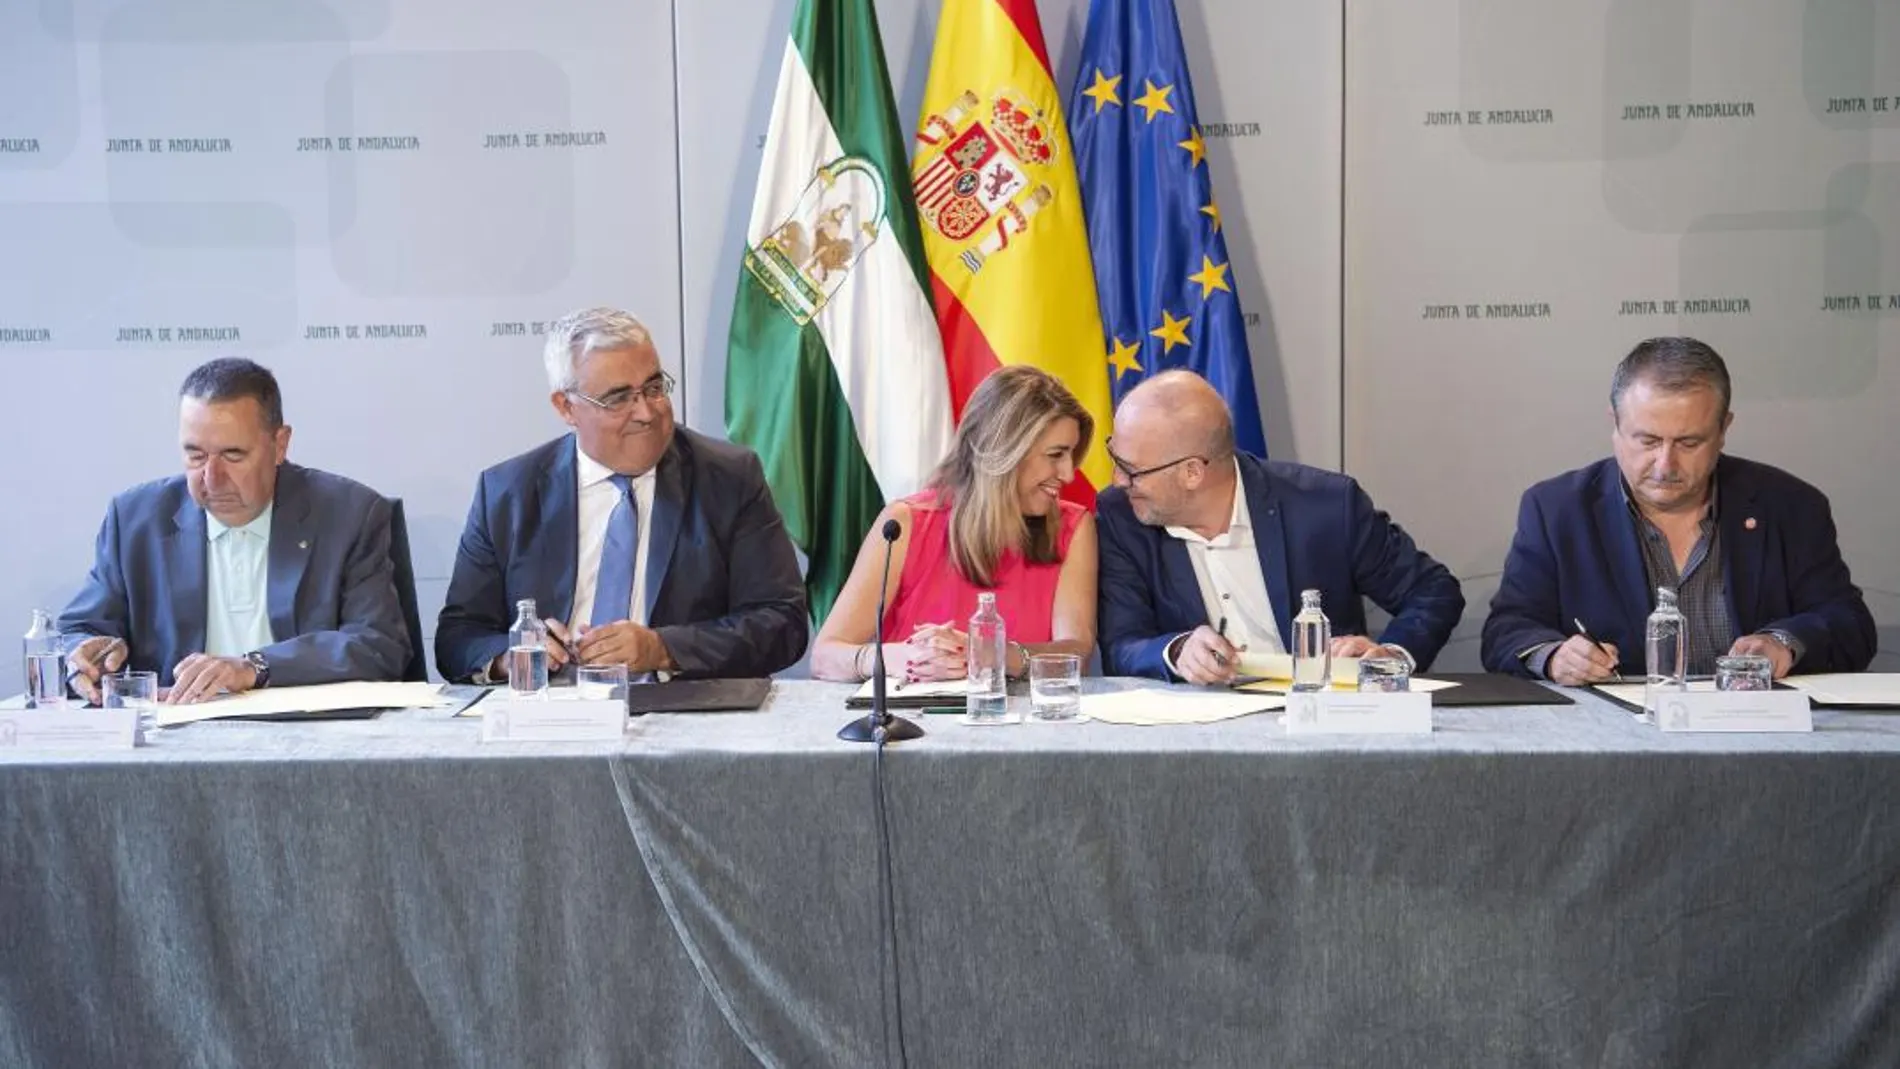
column 1149, row 706
column 574, row 720
column 1857, row 688
column 893, row 688
column 68, row 729
column 1336, row 712
column 316, row 699
column 1633, row 693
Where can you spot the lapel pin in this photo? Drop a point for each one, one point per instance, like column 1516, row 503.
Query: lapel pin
column 306, row 545
column 1748, row 524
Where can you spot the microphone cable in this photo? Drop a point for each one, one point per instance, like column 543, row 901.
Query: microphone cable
column 888, row 900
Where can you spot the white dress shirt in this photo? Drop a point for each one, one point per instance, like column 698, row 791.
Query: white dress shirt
column 237, row 586
column 598, row 496
column 1233, row 588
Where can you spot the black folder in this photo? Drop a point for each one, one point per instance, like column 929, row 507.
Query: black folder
column 698, row 696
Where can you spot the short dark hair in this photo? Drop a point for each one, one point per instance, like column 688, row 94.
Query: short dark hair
column 231, row 378
column 1671, row 365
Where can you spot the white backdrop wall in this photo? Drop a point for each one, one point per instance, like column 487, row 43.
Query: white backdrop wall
column 1724, row 155
column 508, row 161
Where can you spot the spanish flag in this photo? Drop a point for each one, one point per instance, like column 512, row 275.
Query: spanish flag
column 1001, row 212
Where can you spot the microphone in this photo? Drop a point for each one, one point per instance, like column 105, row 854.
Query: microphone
column 879, row 725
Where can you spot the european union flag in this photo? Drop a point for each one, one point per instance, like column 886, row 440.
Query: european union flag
column 1161, row 270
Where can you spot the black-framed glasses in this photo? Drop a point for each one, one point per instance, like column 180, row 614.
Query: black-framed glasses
column 1132, row 473
column 618, row 400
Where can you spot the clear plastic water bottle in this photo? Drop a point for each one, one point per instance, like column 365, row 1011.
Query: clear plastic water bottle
column 988, row 663
column 1665, row 651
column 527, row 653
column 45, row 651
column 1312, row 645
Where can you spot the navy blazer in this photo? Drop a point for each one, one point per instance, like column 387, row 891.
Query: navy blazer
column 334, row 615
column 722, row 585
column 1313, row 529
column 1575, row 557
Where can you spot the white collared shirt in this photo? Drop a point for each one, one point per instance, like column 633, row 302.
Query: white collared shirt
column 598, row 496
column 237, row 586
column 1233, row 587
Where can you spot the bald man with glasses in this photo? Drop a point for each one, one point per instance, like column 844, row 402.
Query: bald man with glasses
column 1205, row 550
column 641, row 542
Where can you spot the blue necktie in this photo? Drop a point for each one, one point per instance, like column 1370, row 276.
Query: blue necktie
column 613, row 593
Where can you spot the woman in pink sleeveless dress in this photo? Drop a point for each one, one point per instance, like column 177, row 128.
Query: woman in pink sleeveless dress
column 992, row 520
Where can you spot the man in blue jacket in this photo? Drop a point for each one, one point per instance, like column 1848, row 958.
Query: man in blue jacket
column 1205, row 550
column 245, row 571
column 642, row 543
column 1750, row 550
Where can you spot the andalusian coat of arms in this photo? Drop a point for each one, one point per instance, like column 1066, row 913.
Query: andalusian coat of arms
column 978, row 182
column 805, row 258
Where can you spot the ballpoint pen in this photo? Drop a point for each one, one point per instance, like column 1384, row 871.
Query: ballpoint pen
column 1601, row 648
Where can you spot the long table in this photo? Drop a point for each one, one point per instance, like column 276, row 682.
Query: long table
column 1535, row 886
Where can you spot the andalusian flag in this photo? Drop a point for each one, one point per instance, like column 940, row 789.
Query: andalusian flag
column 835, row 372
column 1002, row 212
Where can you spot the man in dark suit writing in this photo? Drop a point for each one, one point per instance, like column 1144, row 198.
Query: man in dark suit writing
column 1205, row 550
column 1750, row 550
column 246, row 570
column 642, row 543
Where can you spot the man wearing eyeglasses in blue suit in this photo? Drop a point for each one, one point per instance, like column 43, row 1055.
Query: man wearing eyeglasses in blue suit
column 642, row 543
column 1205, row 550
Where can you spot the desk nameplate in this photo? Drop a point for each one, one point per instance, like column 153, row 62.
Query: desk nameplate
column 1735, row 711
column 1359, row 713
column 567, row 720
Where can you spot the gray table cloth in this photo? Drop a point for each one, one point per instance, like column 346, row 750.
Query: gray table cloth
column 1535, row 886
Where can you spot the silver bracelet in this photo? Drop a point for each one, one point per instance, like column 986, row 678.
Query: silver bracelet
column 857, row 662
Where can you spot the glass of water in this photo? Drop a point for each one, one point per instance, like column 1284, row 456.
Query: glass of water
column 1744, row 671
column 600, row 682
column 1384, row 674
column 132, row 690
column 1055, row 686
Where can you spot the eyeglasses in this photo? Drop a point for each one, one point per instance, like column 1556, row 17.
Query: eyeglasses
column 1131, row 473
column 619, row 400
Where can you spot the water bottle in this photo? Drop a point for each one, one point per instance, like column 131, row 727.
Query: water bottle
column 1665, row 652
column 988, row 664
column 45, row 653
column 527, row 653
column 1312, row 645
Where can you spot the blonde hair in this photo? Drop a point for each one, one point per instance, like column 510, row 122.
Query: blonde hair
column 1005, row 415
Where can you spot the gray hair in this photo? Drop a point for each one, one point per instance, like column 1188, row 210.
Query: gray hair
column 1672, row 365
column 576, row 334
column 233, row 378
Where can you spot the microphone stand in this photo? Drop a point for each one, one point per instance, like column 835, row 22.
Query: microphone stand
column 879, row 725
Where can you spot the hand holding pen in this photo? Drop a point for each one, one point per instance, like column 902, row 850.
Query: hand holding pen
column 1582, row 660
column 1205, row 656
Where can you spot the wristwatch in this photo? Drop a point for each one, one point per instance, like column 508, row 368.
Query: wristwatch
column 258, row 664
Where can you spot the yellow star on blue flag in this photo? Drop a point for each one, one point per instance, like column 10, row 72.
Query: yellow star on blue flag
column 1154, row 232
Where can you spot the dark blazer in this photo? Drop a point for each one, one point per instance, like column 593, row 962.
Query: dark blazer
column 1314, row 530
column 1575, row 557
column 722, row 586
column 334, row 614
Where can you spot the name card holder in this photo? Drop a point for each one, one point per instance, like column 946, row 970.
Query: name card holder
column 68, row 729
column 1735, row 711
column 565, row 720
column 1345, row 712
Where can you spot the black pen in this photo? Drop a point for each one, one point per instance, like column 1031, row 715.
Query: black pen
column 1601, row 648
column 1221, row 630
